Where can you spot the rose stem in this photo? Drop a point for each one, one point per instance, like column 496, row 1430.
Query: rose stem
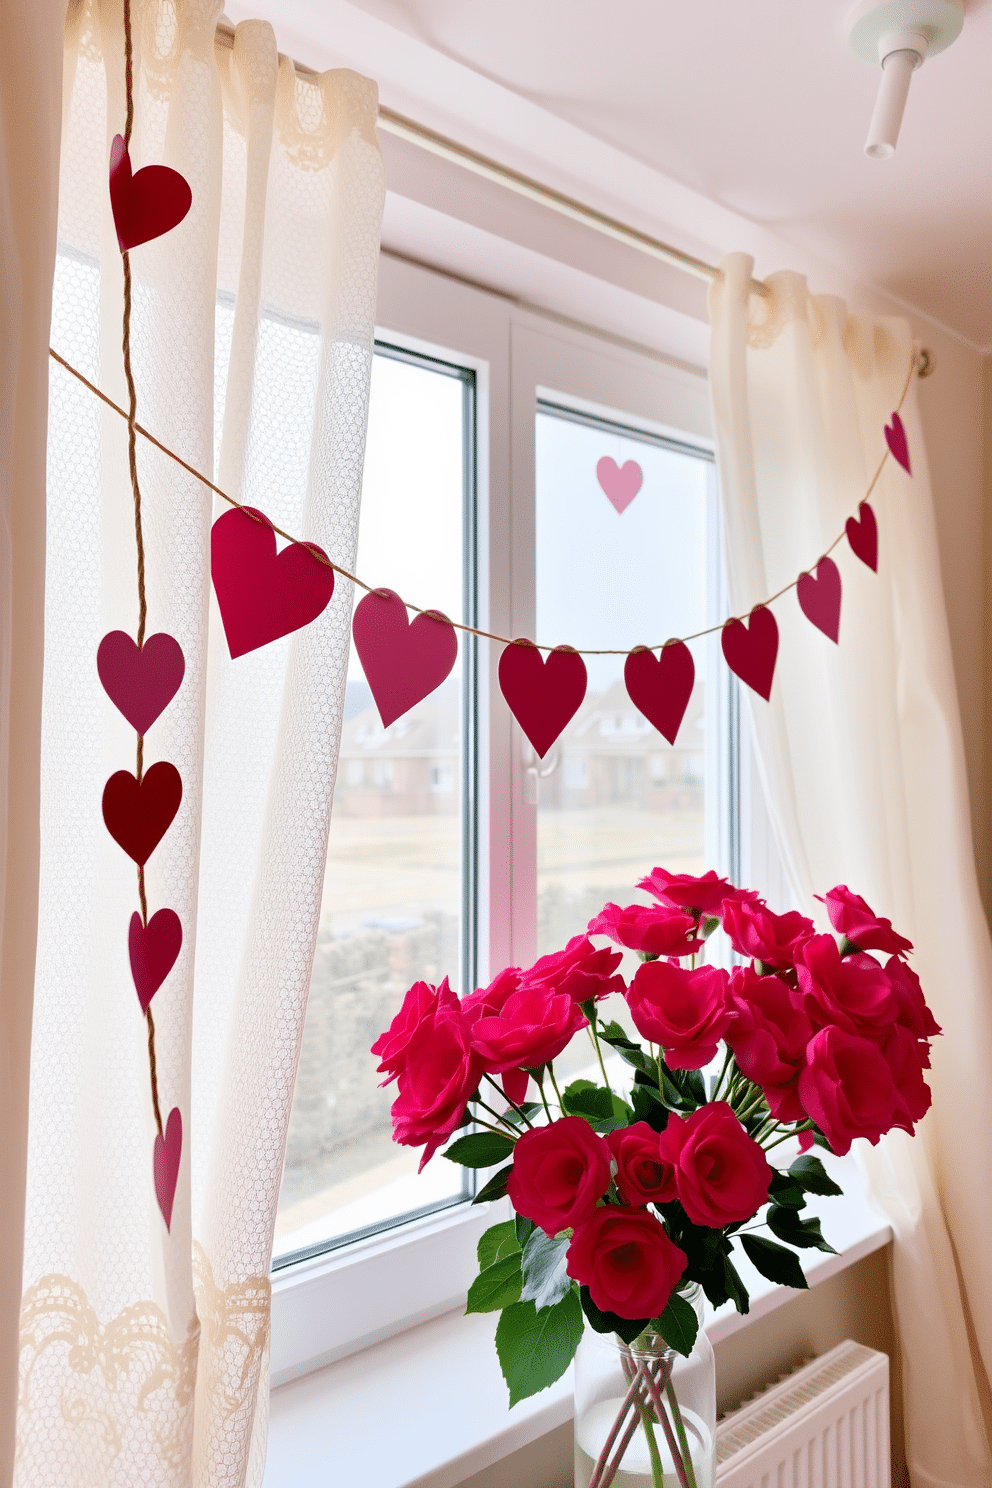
column 480, row 1102
column 673, row 1446
column 538, row 1076
column 726, row 1065
column 597, row 1471
column 644, row 1411
column 520, row 1113
column 599, row 1054
column 554, row 1084
column 680, row 1429
column 613, row 1467
column 804, row 1126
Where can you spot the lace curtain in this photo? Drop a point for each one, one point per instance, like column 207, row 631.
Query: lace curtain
column 861, row 754
column 143, row 1352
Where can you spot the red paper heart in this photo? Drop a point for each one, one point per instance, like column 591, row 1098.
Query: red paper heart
column 138, row 815
column 148, row 204
column 542, row 695
column 895, row 438
column 153, row 949
column 661, row 686
column 141, row 683
column 168, row 1153
column 750, row 650
column 264, row 594
column 403, row 662
column 863, row 536
column 620, row 482
column 819, row 598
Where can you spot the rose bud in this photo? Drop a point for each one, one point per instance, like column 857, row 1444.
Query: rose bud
column 684, row 1011
column 560, row 1172
column 848, row 1089
column 854, row 993
column 641, row 1177
column 683, row 891
column 851, row 916
column 722, row 1175
column 647, row 927
column 769, row 938
column 768, row 1033
column 440, row 1074
column 421, row 1004
column 627, row 1260
column 580, row 970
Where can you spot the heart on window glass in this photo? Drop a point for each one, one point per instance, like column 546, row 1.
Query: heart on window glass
column 542, row 695
column 661, row 686
column 620, row 482
column 264, row 594
column 750, row 650
column 147, row 204
column 403, row 662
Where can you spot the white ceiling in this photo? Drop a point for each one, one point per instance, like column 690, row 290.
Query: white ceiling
column 755, row 105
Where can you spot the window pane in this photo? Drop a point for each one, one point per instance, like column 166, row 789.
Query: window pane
column 394, row 883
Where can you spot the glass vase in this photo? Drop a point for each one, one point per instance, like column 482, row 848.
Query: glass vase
column 645, row 1416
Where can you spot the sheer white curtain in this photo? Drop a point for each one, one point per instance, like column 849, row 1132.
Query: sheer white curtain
column 144, row 1352
column 860, row 751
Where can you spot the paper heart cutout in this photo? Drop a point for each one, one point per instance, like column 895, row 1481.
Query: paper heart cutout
column 168, row 1154
column 750, row 650
column 620, row 482
column 153, row 949
column 139, row 813
column 863, row 536
column 264, row 594
column 542, row 695
column 147, row 204
column 819, row 597
column 895, row 438
column 403, row 662
column 661, row 686
column 141, row 684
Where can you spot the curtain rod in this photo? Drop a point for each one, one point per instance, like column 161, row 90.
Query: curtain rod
column 546, row 196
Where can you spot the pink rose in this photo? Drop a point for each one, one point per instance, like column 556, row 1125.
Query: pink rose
column 906, row 1058
column 912, row 1011
column 580, row 970
column 532, row 1028
column 769, row 938
column 851, row 916
column 722, row 1175
column 491, row 999
column 422, row 1002
column 848, row 1089
column 646, row 927
column 560, row 1172
column 683, row 891
column 854, row 993
column 641, row 1177
column 684, row 1011
column 627, row 1260
column 440, row 1073
column 768, row 1033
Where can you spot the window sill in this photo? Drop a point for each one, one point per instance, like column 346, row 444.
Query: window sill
column 427, row 1408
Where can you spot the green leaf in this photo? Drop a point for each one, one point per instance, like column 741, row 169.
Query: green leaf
column 613, row 1034
column 496, row 1187
column 610, row 1322
column 529, row 1109
column 784, row 1190
column 802, row 1233
column 582, row 1098
column 809, row 1172
column 545, row 1279
column 774, row 1261
column 498, row 1286
column 736, row 1290
column 673, row 1095
column 522, row 1229
column 678, row 1324
column 535, row 1348
column 498, row 1241
column 820, row 1141
column 649, row 1106
column 480, row 1150
column 691, row 1084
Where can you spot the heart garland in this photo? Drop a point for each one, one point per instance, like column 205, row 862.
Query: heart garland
column 750, row 649
column 543, row 695
column 819, row 597
column 661, row 686
column 403, row 662
column 147, row 204
column 262, row 594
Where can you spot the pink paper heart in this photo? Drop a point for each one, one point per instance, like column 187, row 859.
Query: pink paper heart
column 750, row 650
column 137, row 813
column 168, row 1153
column 819, row 597
column 863, row 536
column 620, row 482
column 542, row 695
column 661, row 686
column 147, row 204
column 153, row 949
column 403, row 662
column 895, row 438
column 141, row 684
column 264, row 594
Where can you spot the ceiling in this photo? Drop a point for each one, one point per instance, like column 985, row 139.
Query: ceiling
column 757, row 107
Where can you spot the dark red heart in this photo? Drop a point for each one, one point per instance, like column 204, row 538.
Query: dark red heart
column 863, row 536
column 153, row 949
column 750, row 650
column 264, row 594
column 895, row 438
column 661, row 686
column 403, row 662
column 141, row 683
column 138, row 814
column 542, row 695
column 148, row 204
column 168, row 1155
column 819, row 598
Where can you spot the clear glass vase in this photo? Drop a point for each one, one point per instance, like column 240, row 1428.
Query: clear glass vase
column 645, row 1416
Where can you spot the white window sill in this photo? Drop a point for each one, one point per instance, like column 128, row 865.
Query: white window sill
column 427, row 1408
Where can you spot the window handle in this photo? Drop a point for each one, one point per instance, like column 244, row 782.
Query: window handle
column 536, row 770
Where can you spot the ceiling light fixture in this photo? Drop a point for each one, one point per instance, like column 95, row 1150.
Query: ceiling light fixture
column 898, row 35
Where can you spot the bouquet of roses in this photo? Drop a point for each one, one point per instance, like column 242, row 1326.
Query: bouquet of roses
column 628, row 1192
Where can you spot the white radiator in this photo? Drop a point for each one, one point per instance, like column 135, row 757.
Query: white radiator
column 825, row 1426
